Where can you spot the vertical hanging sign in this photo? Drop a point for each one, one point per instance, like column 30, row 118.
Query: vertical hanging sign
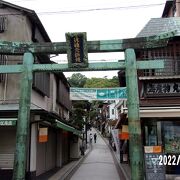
column 77, row 51
column 43, row 135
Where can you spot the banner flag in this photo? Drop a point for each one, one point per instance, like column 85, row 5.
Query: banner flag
column 98, row 93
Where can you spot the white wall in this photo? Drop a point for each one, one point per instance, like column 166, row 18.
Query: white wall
column 112, row 107
column 75, row 149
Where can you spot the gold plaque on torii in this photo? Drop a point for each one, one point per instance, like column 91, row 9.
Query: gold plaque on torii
column 77, row 51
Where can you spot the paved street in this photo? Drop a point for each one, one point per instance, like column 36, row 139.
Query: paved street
column 98, row 165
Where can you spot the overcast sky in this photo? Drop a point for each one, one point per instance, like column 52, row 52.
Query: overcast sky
column 101, row 19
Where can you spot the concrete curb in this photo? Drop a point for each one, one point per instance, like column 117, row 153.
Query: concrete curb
column 119, row 165
column 74, row 168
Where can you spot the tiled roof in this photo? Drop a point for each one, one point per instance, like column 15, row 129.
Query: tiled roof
column 157, row 26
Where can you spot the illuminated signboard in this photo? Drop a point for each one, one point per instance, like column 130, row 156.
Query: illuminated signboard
column 77, row 50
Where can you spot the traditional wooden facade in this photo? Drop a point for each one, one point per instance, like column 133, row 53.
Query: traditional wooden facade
column 50, row 135
column 160, row 89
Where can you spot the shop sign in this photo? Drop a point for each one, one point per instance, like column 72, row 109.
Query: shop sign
column 124, row 134
column 162, row 89
column 8, row 122
column 152, row 149
column 153, row 168
column 43, row 135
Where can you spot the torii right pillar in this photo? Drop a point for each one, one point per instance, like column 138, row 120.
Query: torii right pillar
column 134, row 124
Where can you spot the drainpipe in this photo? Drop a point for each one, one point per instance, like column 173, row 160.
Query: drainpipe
column 5, row 85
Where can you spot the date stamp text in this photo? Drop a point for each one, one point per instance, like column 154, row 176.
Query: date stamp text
column 170, row 160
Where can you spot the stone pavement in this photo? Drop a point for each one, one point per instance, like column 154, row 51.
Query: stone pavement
column 124, row 167
column 98, row 165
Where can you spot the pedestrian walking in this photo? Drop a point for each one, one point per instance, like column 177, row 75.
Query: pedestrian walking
column 90, row 137
column 82, row 149
column 95, row 137
column 104, row 170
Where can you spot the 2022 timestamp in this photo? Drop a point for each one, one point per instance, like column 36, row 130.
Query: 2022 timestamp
column 170, row 160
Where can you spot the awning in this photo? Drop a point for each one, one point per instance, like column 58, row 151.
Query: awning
column 158, row 111
column 15, row 107
column 158, row 77
column 66, row 127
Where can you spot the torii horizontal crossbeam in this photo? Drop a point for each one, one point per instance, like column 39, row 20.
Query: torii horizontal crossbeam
column 19, row 48
column 150, row 64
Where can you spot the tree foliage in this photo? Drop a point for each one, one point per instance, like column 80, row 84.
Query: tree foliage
column 77, row 80
column 79, row 112
column 76, row 117
column 101, row 83
column 83, row 109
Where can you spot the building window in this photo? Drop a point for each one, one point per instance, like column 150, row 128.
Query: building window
column 3, row 61
column 3, row 24
column 112, row 111
column 41, row 83
column 171, row 57
column 171, row 137
column 151, row 135
column 63, row 94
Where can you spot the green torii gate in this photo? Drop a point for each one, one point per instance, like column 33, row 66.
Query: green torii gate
column 130, row 65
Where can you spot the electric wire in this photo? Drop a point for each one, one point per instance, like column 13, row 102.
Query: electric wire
column 100, row 9
column 97, row 9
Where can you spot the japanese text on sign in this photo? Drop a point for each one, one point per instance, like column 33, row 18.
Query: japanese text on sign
column 98, row 93
column 153, row 89
column 77, row 49
column 77, row 56
column 7, row 122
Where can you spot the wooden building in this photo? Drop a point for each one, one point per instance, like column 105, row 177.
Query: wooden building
column 159, row 90
column 50, row 102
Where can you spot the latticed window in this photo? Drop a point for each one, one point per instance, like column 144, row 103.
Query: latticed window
column 170, row 55
column 3, row 61
column 63, row 94
column 3, row 24
column 41, row 81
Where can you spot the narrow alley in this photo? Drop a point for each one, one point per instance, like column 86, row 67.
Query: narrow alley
column 99, row 163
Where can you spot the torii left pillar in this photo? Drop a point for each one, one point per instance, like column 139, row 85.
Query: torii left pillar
column 23, row 118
